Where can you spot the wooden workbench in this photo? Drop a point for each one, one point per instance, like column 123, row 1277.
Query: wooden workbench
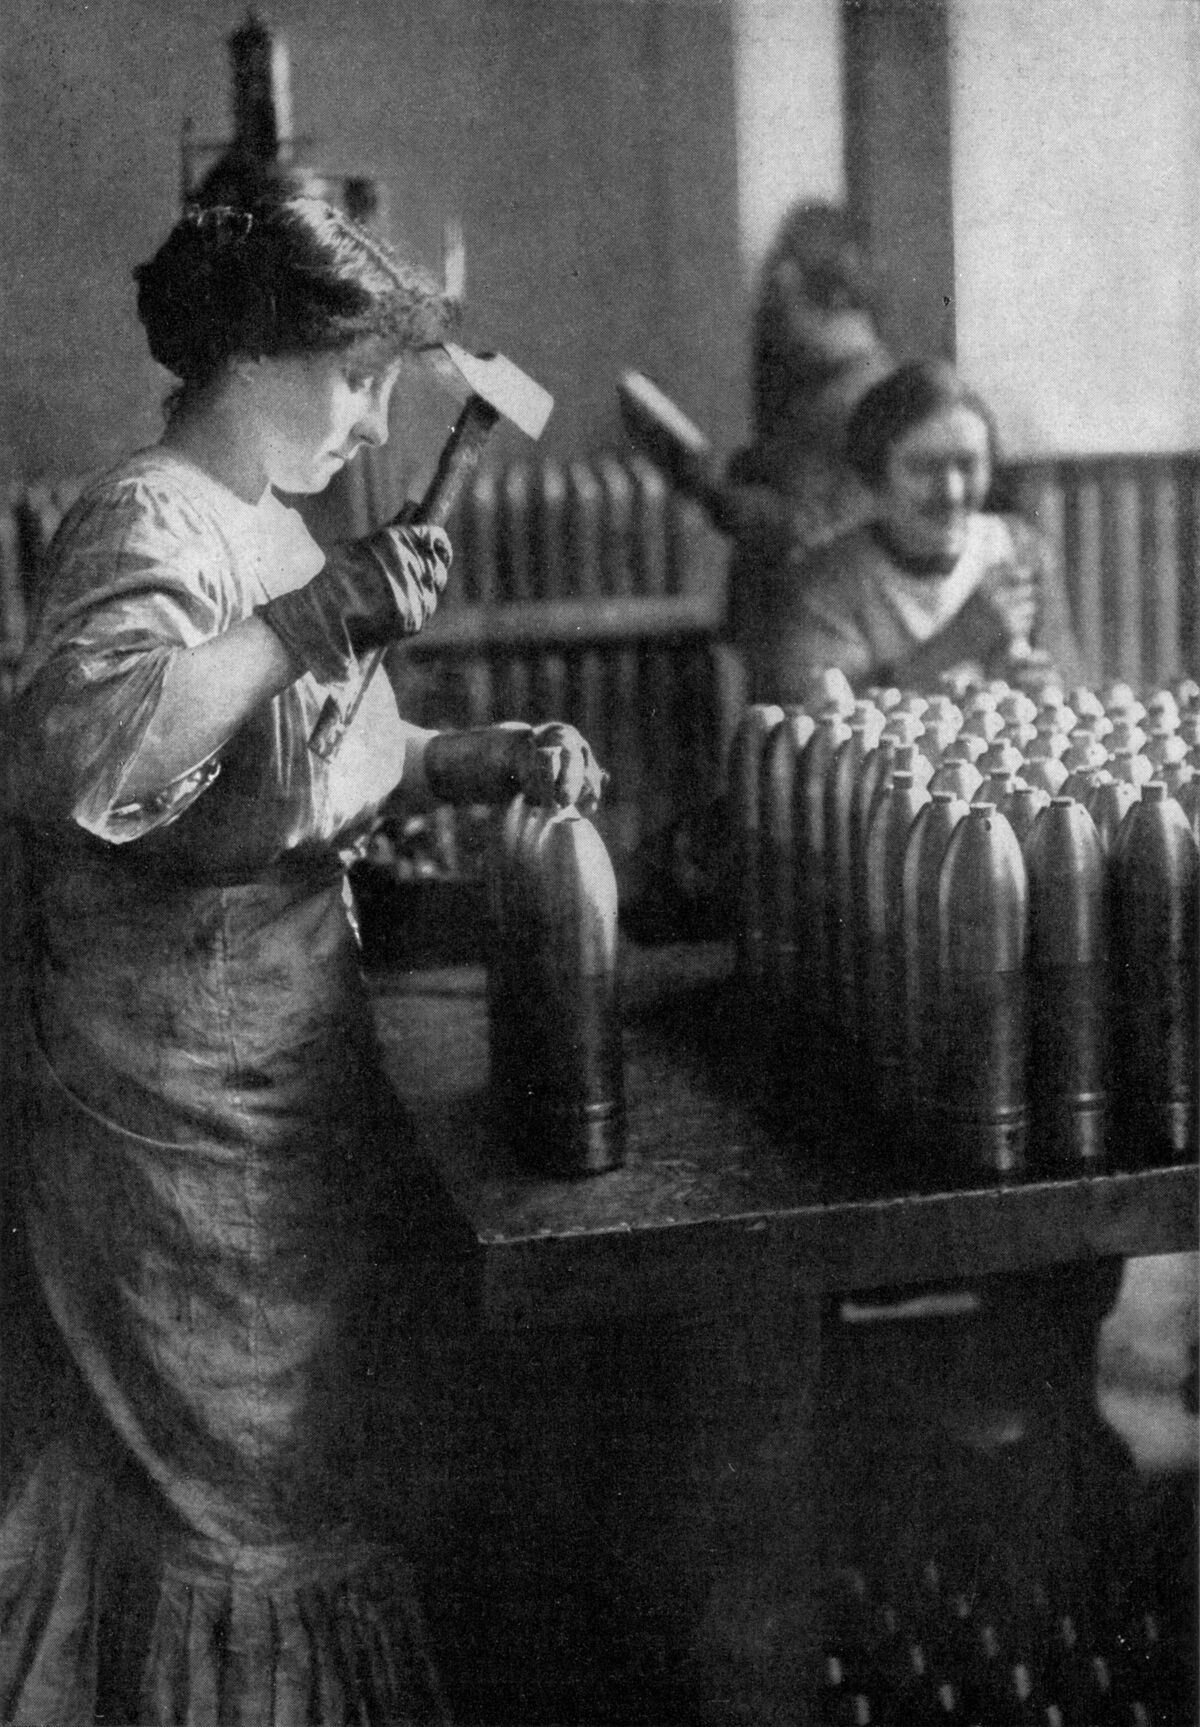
column 715, row 1184
column 645, row 1470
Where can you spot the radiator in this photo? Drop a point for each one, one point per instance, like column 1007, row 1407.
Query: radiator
column 584, row 591
column 587, row 591
column 1125, row 531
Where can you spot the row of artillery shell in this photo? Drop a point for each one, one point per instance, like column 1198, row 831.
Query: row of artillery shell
column 1015, row 967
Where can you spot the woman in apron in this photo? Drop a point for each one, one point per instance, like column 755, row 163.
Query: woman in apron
column 210, row 1164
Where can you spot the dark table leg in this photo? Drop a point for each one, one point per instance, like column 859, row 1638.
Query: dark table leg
column 969, row 1468
column 753, row 1515
column 635, row 1524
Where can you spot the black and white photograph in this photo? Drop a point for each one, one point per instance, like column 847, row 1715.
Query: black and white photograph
column 600, row 863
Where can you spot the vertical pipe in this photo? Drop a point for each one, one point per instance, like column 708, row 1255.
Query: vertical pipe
column 650, row 501
column 475, row 565
column 1122, row 574
column 584, row 508
column 513, row 539
column 1085, row 583
column 549, row 580
column 617, row 578
column 1163, row 658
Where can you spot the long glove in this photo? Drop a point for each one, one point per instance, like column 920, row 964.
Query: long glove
column 552, row 765
column 370, row 592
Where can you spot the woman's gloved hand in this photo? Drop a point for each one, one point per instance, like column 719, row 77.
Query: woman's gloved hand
column 370, row 592
column 1010, row 589
column 557, row 767
column 551, row 765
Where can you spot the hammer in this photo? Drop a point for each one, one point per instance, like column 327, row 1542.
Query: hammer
column 755, row 514
column 499, row 390
column 663, row 432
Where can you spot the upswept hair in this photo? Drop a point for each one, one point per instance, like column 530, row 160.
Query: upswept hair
column 283, row 276
column 914, row 392
column 816, row 259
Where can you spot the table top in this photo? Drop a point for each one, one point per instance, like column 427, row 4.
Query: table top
column 721, row 1189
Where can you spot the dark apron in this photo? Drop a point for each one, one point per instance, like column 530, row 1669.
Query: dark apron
column 211, row 1164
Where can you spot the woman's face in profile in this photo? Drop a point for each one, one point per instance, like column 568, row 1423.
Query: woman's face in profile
column 938, row 474
column 317, row 410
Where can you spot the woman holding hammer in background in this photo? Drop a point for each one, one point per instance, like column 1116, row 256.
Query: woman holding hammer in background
column 211, row 1174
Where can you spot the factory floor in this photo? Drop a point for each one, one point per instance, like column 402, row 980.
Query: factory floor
column 970, row 1484
column 960, row 1455
column 990, row 1443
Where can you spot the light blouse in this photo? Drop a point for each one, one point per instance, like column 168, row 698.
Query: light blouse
column 851, row 606
column 154, row 558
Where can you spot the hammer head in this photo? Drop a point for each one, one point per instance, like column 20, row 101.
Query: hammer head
column 504, row 387
column 662, row 431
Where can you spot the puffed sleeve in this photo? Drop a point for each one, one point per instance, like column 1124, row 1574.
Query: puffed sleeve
column 134, row 575
column 811, row 625
column 825, row 633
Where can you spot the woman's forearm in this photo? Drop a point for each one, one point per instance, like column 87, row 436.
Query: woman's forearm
column 208, row 692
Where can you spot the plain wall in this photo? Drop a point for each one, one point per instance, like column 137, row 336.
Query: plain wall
column 1076, row 140
column 898, row 146
column 790, row 97
column 587, row 146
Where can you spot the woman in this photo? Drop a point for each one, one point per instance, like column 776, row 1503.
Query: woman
column 932, row 584
column 213, row 1175
column 816, row 350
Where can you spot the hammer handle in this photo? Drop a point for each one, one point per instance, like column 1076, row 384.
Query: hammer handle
column 457, row 462
column 661, row 431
